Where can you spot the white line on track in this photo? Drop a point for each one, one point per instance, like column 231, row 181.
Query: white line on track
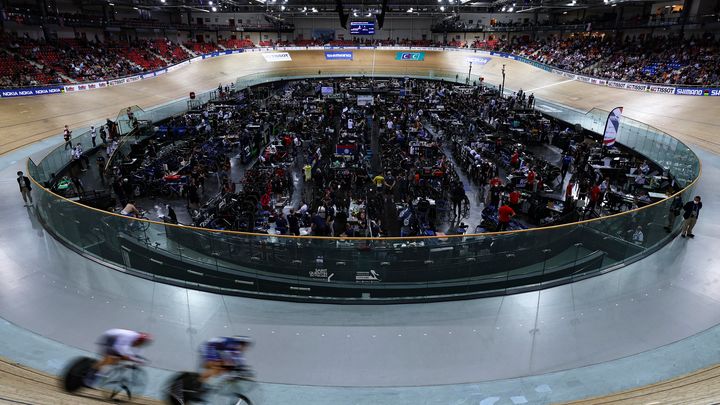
column 550, row 85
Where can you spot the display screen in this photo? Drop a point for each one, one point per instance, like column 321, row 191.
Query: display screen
column 326, row 90
column 362, row 27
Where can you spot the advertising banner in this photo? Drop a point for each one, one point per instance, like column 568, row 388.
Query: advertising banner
column 612, row 126
column 277, row 57
column 85, row 86
column 116, row 82
column 416, row 56
column 33, row 91
column 662, row 89
column 636, row 86
column 335, row 55
column 178, row 66
column 477, row 60
column 696, row 91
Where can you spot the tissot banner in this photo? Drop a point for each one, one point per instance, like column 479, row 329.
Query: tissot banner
column 277, row 57
column 612, row 126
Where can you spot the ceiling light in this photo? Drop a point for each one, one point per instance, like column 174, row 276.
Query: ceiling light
column 214, row 9
column 210, row 3
column 439, row 1
column 503, row 9
column 511, row 9
column 282, row 8
column 112, row 4
column 442, row 8
column 564, row 12
column 410, row 10
column 162, row 1
column 314, row 10
column 135, row 8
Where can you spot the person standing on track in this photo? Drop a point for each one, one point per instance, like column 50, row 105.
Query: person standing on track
column 691, row 214
column 25, row 189
column 67, row 133
column 93, row 135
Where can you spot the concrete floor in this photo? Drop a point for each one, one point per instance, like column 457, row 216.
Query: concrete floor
column 671, row 295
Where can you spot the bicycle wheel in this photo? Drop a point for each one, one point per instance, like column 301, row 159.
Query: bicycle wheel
column 242, row 400
column 74, row 375
column 183, row 389
column 124, row 382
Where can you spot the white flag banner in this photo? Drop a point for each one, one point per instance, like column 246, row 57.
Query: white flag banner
column 612, row 126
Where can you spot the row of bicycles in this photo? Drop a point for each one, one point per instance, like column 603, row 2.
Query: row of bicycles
column 127, row 380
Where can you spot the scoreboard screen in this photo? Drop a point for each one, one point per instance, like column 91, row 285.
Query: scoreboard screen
column 362, row 27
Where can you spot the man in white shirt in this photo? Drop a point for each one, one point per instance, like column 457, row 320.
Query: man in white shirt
column 93, row 135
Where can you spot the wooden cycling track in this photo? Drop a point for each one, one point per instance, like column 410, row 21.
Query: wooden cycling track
column 27, row 120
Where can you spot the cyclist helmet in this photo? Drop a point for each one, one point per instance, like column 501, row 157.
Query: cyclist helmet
column 143, row 339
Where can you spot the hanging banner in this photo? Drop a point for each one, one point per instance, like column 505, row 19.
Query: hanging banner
column 612, row 126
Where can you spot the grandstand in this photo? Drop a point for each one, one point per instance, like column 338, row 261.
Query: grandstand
column 399, row 203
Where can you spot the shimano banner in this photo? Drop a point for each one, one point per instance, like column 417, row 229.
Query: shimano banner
column 31, row 91
column 696, row 91
column 612, row 126
column 335, row 55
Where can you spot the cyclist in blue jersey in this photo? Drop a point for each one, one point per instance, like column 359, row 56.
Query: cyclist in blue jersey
column 223, row 354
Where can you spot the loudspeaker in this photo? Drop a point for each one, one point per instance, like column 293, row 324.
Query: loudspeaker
column 341, row 14
column 381, row 17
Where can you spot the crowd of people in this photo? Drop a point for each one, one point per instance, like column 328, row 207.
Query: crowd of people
column 651, row 59
column 647, row 59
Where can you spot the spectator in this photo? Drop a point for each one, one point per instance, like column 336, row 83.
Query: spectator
column 67, row 133
column 505, row 213
column 676, row 208
column 691, row 214
column 25, row 188
column 293, row 223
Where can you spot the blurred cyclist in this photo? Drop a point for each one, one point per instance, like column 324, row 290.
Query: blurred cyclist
column 118, row 345
column 223, row 354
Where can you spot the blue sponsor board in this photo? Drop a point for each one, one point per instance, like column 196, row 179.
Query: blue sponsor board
column 34, row 91
column 696, row 91
column 410, row 56
column 336, row 55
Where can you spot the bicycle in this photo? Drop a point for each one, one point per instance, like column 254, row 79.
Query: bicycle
column 125, row 377
column 185, row 389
